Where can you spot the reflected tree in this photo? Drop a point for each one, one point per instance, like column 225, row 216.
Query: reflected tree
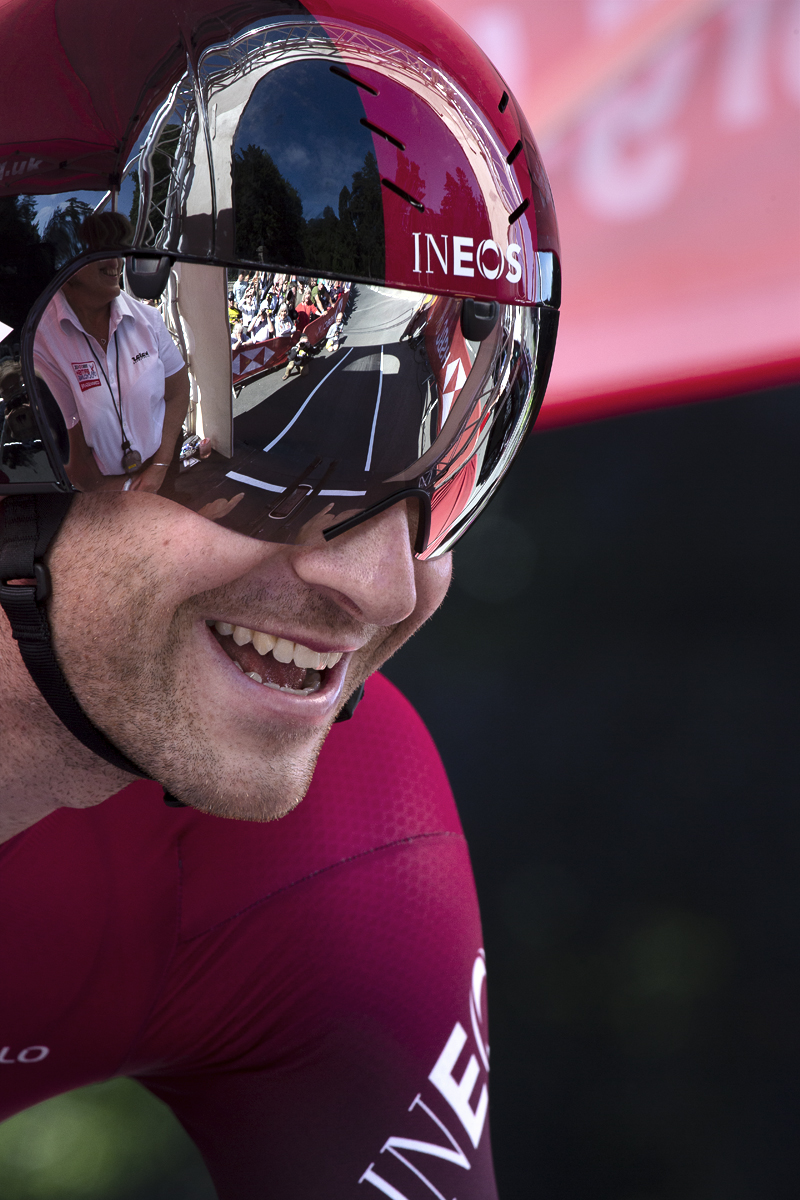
column 270, row 225
column 269, row 211
column 459, row 204
column 352, row 243
column 63, row 230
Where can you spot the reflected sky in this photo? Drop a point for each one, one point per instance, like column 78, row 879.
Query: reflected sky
column 307, row 120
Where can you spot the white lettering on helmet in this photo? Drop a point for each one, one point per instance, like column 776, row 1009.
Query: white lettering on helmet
column 489, row 272
column 462, row 256
column 430, row 240
column 489, row 257
column 514, row 268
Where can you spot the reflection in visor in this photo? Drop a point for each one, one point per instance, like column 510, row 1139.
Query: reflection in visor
column 369, row 406
column 361, row 410
column 312, row 403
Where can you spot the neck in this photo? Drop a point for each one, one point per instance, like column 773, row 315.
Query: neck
column 42, row 767
column 94, row 317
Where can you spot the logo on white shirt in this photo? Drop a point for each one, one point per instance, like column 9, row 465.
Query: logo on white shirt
column 86, row 373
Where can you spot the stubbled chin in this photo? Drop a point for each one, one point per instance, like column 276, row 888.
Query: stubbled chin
column 259, row 787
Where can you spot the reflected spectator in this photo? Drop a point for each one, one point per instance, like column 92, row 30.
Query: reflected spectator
column 306, row 311
column 114, row 370
column 335, row 333
column 239, row 288
column 283, row 322
column 319, row 296
column 234, row 314
column 273, row 299
column 261, row 327
column 249, row 302
column 299, row 358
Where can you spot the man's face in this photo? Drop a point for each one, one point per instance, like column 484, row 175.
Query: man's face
column 144, row 595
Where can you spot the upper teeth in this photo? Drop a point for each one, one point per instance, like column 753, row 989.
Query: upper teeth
column 282, row 649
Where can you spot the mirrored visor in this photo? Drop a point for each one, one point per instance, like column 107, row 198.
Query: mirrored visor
column 282, row 407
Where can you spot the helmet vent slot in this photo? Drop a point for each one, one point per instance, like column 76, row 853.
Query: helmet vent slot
column 517, row 213
column 382, row 133
column 398, row 191
column 351, row 79
column 510, row 158
column 502, row 106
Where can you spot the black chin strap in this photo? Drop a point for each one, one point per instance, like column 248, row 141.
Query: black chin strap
column 29, row 524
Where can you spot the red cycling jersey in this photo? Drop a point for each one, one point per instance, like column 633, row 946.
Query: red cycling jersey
column 308, row 996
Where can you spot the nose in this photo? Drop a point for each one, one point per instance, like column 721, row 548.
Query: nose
column 368, row 571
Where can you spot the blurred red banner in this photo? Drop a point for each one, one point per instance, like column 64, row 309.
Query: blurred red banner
column 669, row 129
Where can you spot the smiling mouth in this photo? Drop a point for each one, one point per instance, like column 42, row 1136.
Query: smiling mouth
column 272, row 661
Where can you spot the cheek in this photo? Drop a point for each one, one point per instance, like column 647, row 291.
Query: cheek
column 111, row 547
column 432, row 581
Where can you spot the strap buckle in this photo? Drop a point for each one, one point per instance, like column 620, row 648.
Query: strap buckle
column 41, row 576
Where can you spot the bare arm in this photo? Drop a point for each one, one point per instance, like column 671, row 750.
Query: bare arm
column 176, row 397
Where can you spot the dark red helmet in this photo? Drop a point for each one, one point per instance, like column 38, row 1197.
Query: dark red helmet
column 371, row 151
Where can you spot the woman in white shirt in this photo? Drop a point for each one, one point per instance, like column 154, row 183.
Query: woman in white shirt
column 119, row 380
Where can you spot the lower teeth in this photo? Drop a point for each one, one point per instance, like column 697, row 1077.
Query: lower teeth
column 314, row 677
column 276, row 687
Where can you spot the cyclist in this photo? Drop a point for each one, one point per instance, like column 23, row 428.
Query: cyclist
column 302, row 982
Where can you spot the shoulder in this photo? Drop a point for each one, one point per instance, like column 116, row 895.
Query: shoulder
column 50, row 322
column 379, row 783
column 142, row 314
column 146, row 316
column 128, row 306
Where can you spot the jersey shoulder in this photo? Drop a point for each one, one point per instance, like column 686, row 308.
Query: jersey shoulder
column 379, row 781
column 385, row 752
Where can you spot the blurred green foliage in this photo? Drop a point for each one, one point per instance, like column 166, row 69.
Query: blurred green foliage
column 109, row 1141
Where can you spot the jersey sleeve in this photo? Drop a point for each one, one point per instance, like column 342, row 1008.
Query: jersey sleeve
column 354, row 1052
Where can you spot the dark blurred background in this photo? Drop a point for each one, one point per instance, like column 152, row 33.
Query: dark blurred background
column 612, row 685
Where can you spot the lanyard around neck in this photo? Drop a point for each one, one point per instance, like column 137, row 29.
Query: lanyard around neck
column 116, row 401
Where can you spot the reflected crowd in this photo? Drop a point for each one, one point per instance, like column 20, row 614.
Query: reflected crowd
column 264, row 305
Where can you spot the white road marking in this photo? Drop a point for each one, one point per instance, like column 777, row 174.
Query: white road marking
column 267, row 487
column 310, row 395
column 375, row 417
column 273, row 487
